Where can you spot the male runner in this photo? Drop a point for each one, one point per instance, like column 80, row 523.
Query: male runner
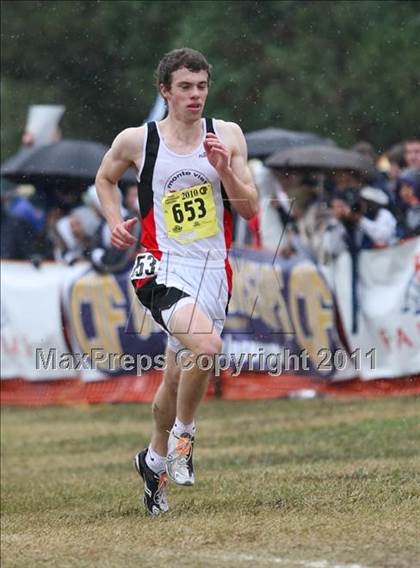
column 191, row 171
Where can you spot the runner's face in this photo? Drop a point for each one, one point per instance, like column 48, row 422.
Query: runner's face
column 187, row 96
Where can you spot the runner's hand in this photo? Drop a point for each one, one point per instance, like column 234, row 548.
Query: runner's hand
column 121, row 238
column 217, row 153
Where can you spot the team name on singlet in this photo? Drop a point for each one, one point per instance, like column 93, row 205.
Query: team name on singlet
column 184, row 174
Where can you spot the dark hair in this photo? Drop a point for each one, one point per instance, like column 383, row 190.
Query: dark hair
column 365, row 149
column 349, row 197
column 411, row 177
column 396, row 155
column 410, row 139
column 185, row 57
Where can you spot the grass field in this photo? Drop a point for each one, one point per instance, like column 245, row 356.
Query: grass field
column 312, row 484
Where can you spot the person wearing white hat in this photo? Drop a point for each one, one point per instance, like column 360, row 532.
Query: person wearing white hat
column 361, row 221
column 377, row 223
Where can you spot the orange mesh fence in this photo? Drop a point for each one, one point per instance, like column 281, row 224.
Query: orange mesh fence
column 248, row 386
column 253, row 386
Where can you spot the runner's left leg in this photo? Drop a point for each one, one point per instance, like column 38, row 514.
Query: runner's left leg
column 197, row 333
column 190, row 326
column 164, row 404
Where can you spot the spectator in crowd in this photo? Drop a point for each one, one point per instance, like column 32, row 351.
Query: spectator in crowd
column 359, row 222
column 131, row 201
column 103, row 256
column 408, row 191
column 29, row 205
column 53, row 215
column 73, row 235
column 344, row 182
column 367, row 150
column 270, row 224
column 63, row 196
column 22, row 206
column 17, row 234
column 16, row 238
column 377, row 224
column 302, row 211
column 396, row 163
column 412, row 152
column 377, row 178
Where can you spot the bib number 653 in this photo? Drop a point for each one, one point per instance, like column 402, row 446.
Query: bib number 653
column 145, row 266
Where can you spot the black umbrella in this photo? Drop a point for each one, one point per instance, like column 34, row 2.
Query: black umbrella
column 320, row 158
column 75, row 161
column 263, row 143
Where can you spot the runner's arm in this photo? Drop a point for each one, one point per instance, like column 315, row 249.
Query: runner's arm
column 233, row 169
column 116, row 161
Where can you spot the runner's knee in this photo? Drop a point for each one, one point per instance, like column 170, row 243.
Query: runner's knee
column 210, row 346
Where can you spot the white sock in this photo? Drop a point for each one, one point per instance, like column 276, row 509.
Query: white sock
column 180, row 428
column 154, row 461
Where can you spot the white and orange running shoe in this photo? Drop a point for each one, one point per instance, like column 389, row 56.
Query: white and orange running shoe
column 179, row 463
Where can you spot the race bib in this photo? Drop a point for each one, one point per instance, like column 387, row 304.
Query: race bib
column 190, row 214
column 145, row 266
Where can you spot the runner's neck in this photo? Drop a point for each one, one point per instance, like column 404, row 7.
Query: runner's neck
column 181, row 137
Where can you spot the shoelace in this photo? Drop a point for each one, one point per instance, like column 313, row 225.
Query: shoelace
column 160, row 493
column 183, row 446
